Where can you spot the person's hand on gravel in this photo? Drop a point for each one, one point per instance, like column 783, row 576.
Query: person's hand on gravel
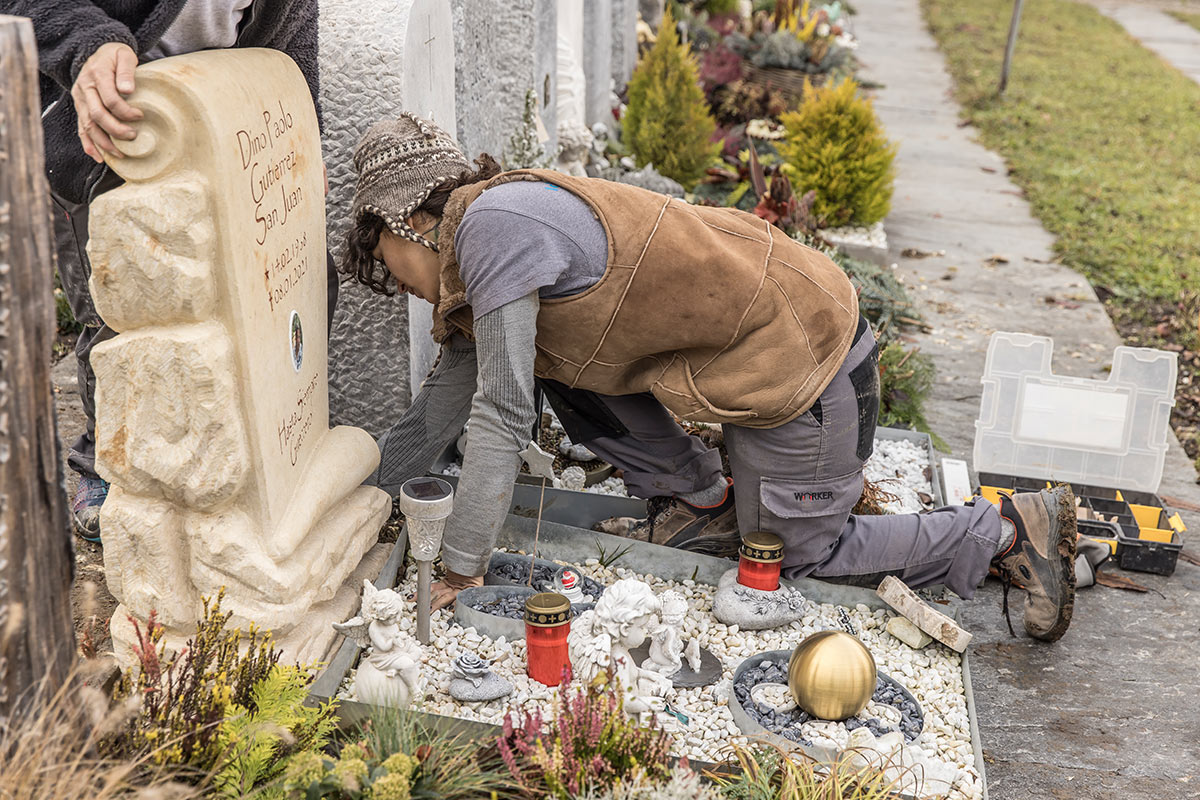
column 444, row 592
column 99, row 95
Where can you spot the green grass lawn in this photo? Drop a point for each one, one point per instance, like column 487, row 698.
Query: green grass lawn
column 1101, row 134
column 1190, row 17
column 1105, row 140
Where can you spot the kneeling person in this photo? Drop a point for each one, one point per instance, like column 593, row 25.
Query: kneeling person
column 631, row 309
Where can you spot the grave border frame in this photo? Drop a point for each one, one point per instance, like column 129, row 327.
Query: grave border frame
column 564, row 542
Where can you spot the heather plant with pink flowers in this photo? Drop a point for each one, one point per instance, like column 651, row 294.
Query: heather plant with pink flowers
column 590, row 743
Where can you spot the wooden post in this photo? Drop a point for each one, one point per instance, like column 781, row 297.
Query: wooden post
column 1011, row 45
column 37, row 637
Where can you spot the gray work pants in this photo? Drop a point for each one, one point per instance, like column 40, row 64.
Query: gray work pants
column 74, row 269
column 799, row 481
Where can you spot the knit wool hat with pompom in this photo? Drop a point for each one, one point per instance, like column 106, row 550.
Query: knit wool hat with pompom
column 399, row 163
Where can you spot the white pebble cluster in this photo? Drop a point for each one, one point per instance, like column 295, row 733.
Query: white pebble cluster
column 898, row 467
column 933, row 675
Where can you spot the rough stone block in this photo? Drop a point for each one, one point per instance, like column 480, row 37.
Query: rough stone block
column 146, row 557
column 903, row 629
column 168, row 422
column 904, row 600
column 151, row 259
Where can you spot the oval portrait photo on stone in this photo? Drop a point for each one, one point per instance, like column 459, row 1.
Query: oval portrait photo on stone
column 297, row 341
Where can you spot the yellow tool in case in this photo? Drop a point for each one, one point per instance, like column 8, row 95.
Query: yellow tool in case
column 1108, row 439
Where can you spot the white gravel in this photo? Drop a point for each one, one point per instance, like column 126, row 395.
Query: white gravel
column 898, row 467
column 873, row 237
column 933, row 675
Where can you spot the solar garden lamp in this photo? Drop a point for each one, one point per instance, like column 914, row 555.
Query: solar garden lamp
column 425, row 502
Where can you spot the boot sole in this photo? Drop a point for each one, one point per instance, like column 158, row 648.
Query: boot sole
column 1061, row 557
column 84, row 533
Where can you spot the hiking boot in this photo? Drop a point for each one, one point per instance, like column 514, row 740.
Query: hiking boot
column 85, row 508
column 711, row 530
column 1041, row 559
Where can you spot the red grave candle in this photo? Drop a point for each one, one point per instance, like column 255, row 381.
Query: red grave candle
column 760, row 558
column 547, row 624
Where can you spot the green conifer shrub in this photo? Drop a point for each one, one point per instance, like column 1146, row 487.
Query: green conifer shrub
column 836, row 146
column 667, row 122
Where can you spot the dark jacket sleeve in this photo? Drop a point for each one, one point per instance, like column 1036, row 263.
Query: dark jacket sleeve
column 68, row 32
column 296, row 35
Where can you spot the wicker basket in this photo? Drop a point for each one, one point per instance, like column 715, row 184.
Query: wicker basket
column 788, row 81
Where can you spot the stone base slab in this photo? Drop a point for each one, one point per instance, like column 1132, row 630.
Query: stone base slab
column 310, row 641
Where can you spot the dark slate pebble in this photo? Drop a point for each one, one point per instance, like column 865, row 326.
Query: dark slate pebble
column 780, row 722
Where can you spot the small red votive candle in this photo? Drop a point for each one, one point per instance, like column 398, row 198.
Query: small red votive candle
column 759, row 561
column 547, row 624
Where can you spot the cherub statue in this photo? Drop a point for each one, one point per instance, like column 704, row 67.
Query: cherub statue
column 602, row 638
column 666, row 638
column 389, row 674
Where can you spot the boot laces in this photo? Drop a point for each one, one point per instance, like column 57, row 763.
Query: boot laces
column 1006, row 584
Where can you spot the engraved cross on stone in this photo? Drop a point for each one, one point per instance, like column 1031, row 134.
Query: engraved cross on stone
column 429, row 39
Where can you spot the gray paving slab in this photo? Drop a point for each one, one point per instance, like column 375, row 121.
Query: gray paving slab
column 1109, row 711
column 1175, row 42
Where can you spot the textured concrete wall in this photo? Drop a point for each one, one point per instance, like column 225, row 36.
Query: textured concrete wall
column 624, row 40
column 597, row 59
column 370, row 72
column 502, row 49
column 546, row 64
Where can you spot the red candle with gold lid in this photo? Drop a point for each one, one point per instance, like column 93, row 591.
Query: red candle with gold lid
column 547, row 624
column 759, row 561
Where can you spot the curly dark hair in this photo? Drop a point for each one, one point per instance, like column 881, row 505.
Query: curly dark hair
column 359, row 261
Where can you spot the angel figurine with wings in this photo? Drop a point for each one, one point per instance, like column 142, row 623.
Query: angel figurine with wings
column 390, row 672
column 602, row 638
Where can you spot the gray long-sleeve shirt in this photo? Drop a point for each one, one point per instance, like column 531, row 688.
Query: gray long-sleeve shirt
column 516, row 243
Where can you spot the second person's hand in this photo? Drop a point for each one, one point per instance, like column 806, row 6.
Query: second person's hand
column 99, row 96
column 444, row 592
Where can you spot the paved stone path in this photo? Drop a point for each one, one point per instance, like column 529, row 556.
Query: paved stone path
column 1108, row 712
column 1175, row 42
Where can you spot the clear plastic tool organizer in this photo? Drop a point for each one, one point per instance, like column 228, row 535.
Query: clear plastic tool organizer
column 1035, row 424
column 1108, row 439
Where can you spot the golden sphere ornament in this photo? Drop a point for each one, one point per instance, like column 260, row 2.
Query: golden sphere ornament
column 832, row 675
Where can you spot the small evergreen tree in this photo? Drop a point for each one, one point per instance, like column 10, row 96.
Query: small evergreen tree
column 667, row 122
column 836, row 147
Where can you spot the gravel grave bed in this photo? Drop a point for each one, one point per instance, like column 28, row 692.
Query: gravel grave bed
column 508, row 607
column 933, row 675
column 887, row 710
column 900, row 467
column 543, row 577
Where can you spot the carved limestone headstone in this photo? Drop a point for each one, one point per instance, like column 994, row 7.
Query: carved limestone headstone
column 402, row 61
column 212, row 405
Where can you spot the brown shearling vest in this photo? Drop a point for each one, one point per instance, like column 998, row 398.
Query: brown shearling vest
column 716, row 312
